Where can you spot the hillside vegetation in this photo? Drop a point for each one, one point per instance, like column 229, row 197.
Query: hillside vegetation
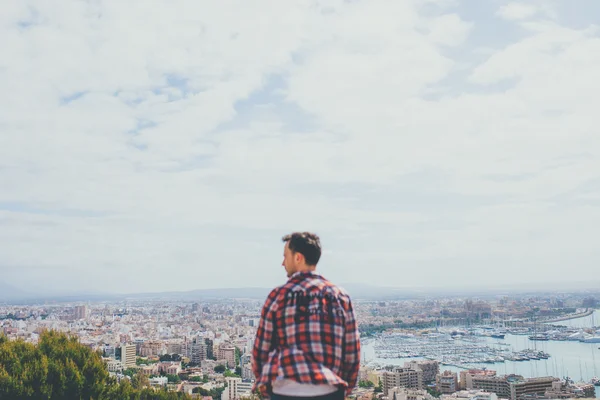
column 59, row 367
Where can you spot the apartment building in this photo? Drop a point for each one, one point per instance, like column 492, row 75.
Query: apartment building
column 462, row 383
column 113, row 365
column 513, row 387
column 531, row 387
column 447, row 382
column 80, row 312
column 128, row 355
column 566, row 390
column 247, row 373
column 174, row 348
column 430, row 368
column 148, row 370
column 227, row 352
column 159, row 381
column 470, row 395
column 197, row 350
column 402, row 377
column 169, row 367
column 152, row 348
column 236, row 388
column 399, row 393
column 209, row 348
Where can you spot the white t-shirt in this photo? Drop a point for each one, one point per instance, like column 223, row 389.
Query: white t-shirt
column 288, row 387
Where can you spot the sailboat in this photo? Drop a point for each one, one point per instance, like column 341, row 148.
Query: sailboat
column 592, row 339
column 595, row 381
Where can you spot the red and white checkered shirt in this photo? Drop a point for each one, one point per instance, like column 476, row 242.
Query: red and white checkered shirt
column 307, row 333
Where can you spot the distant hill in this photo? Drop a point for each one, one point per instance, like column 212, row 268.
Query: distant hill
column 358, row 291
column 217, row 293
column 8, row 292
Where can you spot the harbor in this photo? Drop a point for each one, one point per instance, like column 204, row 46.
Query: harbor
column 462, row 352
column 509, row 353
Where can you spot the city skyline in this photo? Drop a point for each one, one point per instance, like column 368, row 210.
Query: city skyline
column 168, row 148
column 361, row 292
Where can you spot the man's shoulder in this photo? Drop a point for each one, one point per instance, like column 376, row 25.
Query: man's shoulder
column 325, row 286
column 342, row 292
column 275, row 292
column 314, row 283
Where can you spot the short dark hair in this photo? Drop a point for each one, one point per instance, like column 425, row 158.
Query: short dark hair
column 306, row 243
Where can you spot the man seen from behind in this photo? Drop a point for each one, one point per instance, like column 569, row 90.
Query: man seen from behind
column 307, row 343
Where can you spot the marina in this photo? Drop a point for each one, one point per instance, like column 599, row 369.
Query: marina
column 476, row 348
column 463, row 352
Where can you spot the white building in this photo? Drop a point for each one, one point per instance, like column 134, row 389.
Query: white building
column 247, row 372
column 128, row 356
column 401, row 393
column 402, row 377
column 159, row 381
column 113, row 365
column 470, row 395
column 235, row 389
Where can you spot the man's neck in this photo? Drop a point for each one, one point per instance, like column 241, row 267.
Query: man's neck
column 308, row 268
column 303, row 271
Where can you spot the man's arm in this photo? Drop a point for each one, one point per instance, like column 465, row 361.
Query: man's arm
column 351, row 356
column 263, row 343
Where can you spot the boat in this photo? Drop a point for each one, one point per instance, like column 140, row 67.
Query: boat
column 595, row 381
column 497, row 335
column 539, row 336
column 592, row 339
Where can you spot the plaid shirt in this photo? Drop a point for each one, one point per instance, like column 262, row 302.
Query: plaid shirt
column 307, row 333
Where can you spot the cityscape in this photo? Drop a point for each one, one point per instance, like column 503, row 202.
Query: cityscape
column 299, row 199
column 505, row 346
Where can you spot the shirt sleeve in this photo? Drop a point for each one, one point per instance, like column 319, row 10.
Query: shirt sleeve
column 351, row 356
column 263, row 343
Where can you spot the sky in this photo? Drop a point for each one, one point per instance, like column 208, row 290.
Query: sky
column 169, row 145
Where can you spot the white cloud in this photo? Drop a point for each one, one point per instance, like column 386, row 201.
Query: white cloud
column 517, row 11
column 136, row 141
column 448, row 30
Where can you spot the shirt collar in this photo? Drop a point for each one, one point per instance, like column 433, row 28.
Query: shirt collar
column 302, row 274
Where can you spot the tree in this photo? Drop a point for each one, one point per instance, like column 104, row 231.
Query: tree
column 379, row 387
column 215, row 393
column 201, row 391
column 170, row 357
column 433, row 392
column 59, row 367
column 140, row 381
column 365, row 384
column 238, row 355
column 219, row 369
column 173, row 378
column 229, row 374
column 141, row 361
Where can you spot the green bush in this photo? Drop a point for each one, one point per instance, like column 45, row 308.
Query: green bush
column 59, row 367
